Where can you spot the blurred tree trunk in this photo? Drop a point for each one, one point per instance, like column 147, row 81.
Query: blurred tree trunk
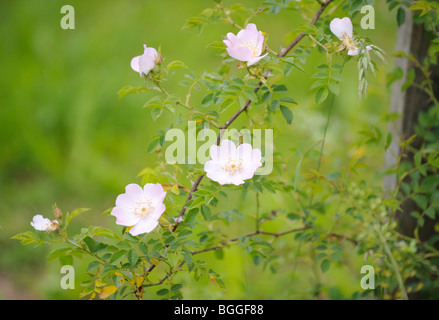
column 412, row 39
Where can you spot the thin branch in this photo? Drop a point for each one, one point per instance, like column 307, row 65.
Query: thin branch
column 248, row 235
column 183, row 210
column 228, row 17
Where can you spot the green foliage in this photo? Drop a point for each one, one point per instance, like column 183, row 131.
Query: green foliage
column 308, row 213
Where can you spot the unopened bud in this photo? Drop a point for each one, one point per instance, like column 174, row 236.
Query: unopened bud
column 56, row 212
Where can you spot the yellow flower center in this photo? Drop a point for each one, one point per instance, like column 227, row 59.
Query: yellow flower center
column 143, row 208
column 252, row 46
column 349, row 42
column 232, row 166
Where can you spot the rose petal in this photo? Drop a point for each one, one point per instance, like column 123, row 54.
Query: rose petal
column 40, row 223
column 353, row 51
column 260, row 43
column 158, row 211
column 135, row 64
column 339, row 27
column 227, row 149
column 241, row 53
column 214, row 152
column 124, row 217
column 154, row 191
column 249, row 34
column 255, row 60
column 144, row 226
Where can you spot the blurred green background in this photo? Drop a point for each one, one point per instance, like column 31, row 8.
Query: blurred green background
column 67, row 138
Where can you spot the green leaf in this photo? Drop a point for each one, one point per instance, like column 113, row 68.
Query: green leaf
column 176, row 64
column 279, row 88
column 430, row 212
column 104, row 232
column 156, row 113
column 184, row 234
column 191, row 215
column 250, row 95
column 266, row 96
column 117, row 256
column 388, row 141
column 197, row 202
column 126, row 90
column 286, row 112
column 190, row 243
column 187, row 257
column 144, row 248
column 92, row 265
column 400, row 16
column 420, row 200
column 66, row 260
column 325, row 265
column 288, row 100
column 74, row 214
column 27, row 237
column 162, row 292
column 216, row 45
column 320, row 75
column 91, row 244
column 418, row 159
column 334, row 88
column 207, row 100
column 132, row 257
column 156, row 101
column 58, row 253
column 205, row 211
column 152, row 145
column 321, row 95
column 176, row 287
column 257, row 259
column 293, row 216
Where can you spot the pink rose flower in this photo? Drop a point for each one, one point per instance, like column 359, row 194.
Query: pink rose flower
column 231, row 165
column 146, row 62
column 140, row 207
column 343, row 29
column 43, row 224
column 246, row 45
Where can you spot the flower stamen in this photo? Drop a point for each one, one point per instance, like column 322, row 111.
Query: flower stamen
column 143, row 208
column 251, row 45
column 232, row 166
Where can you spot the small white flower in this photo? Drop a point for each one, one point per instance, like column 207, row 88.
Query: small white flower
column 43, row 224
column 231, row 165
column 146, row 62
column 247, row 45
column 343, row 29
column 140, row 207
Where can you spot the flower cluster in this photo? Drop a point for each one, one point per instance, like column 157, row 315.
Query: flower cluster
column 139, row 208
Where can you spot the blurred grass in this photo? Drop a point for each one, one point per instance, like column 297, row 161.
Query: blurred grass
column 66, row 138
